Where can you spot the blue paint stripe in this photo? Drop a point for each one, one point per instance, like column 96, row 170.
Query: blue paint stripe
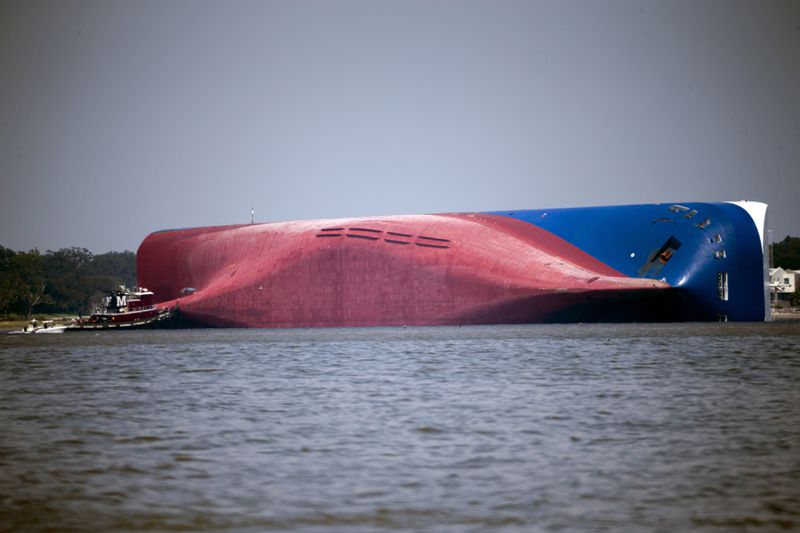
column 627, row 237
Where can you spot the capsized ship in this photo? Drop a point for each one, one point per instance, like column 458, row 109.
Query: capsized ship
column 653, row 262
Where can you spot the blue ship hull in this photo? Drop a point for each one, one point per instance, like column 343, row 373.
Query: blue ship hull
column 711, row 254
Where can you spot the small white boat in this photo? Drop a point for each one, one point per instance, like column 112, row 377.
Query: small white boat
column 51, row 329
column 36, row 328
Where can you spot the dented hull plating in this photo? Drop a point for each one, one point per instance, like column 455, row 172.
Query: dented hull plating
column 466, row 268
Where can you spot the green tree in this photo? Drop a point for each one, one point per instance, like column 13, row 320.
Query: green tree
column 121, row 265
column 26, row 282
column 64, row 270
column 7, row 287
column 70, row 280
column 786, row 254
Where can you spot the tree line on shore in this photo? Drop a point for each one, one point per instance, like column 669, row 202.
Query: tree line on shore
column 786, row 254
column 69, row 280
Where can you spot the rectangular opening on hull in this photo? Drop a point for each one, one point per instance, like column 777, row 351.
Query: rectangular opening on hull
column 704, row 224
column 667, row 250
column 366, row 229
column 437, row 239
column 722, row 286
column 660, row 257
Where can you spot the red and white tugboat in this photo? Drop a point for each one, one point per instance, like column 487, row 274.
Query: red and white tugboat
column 125, row 309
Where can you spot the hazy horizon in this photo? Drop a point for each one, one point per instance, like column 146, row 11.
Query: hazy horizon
column 122, row 118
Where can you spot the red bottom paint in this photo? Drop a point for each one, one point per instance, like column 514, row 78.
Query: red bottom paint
column 388, row 271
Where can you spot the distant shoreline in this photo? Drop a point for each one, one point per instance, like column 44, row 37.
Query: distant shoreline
column 7, row 326
column 792, row 313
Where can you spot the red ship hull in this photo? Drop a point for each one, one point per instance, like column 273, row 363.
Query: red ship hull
column 388, row 271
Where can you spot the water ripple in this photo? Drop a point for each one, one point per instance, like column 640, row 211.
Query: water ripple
column 514, row 428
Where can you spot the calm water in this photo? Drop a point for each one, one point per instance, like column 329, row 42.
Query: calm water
column 518, row 428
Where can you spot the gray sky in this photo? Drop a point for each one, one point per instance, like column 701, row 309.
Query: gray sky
column 118, row 118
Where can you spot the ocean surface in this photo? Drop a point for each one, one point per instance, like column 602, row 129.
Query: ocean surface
column 671, row 427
